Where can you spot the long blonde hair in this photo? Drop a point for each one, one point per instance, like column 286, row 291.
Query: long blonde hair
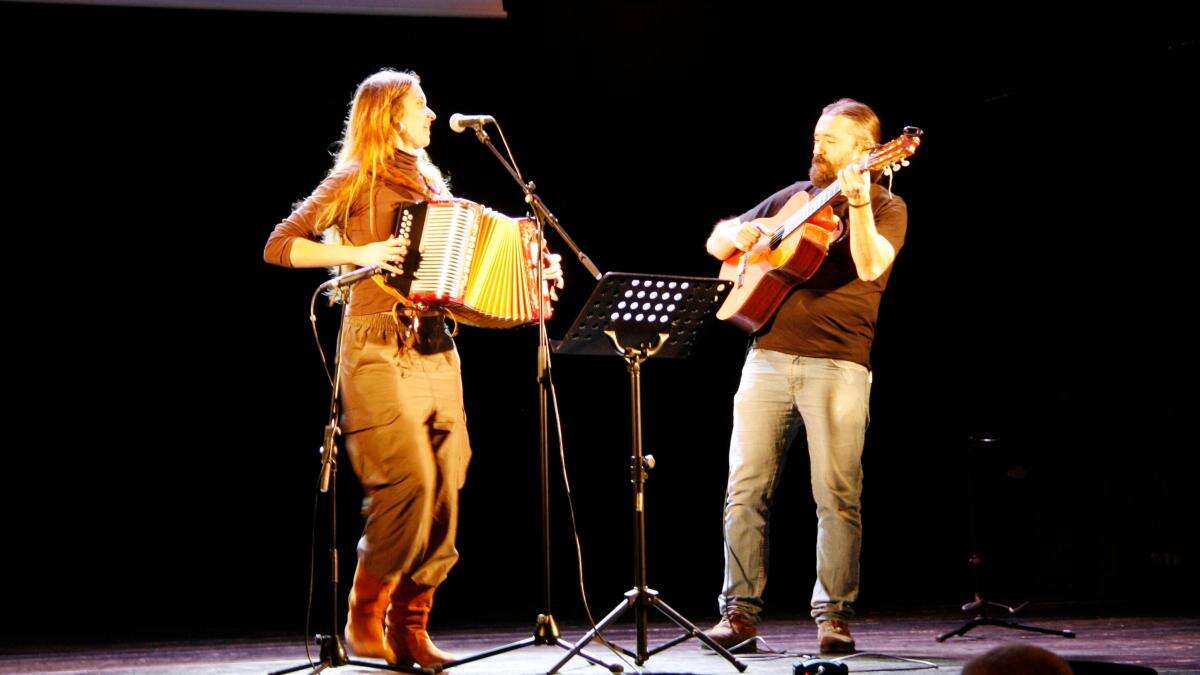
column 369, row 139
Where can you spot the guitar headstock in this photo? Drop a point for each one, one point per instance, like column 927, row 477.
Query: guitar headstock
column 893, row 155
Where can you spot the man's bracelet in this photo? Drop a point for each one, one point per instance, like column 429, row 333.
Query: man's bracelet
column 858, row 206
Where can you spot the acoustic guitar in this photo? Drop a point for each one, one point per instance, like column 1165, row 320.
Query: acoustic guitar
column 796, row 242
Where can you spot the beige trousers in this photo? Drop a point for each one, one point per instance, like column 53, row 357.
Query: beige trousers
column 406, row 434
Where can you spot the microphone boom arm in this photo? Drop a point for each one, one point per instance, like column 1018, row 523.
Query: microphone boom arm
column 536, row 203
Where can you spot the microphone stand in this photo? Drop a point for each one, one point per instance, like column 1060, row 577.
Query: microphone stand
column 545, row 631
column 540, row 212
column 332, row 648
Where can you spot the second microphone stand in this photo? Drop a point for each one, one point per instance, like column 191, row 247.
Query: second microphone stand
column 545, row 631
column 332, row 647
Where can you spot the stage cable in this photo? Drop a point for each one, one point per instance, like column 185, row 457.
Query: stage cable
column 312, row 539
column 916, row 664
column 312, row 573
column 562, row 455
column 312, row 319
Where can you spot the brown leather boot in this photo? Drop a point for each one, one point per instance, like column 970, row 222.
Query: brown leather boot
column 834, row 637
column 407, row 622
column 369, row 598
column 732, row 630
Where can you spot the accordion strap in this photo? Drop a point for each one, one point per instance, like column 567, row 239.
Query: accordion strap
column 414, row 313
column 454, row 320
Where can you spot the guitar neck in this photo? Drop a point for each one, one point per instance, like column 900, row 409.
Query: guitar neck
column 815, row 204
column 888, row 158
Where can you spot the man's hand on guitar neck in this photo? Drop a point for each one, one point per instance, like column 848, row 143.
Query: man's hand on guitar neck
column 872, row 252
column 856, row 184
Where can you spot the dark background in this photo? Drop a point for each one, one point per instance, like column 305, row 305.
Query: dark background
column 166, row 399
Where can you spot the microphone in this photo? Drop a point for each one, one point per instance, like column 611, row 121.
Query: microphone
column 350, row 277
column 460, row 123
column 328, row 456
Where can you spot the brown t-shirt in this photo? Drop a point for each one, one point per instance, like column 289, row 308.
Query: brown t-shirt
column 365, row 296
column 832, row 315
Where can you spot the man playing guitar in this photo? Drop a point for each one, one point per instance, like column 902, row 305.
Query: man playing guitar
column 809, row 365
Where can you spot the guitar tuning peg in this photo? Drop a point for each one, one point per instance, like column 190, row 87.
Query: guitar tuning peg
column 904, row 163
column 887, row 170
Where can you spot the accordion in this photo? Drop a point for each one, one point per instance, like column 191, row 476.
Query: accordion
column 476, row 263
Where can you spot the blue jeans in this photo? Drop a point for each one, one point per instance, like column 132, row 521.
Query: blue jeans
column 778, row 394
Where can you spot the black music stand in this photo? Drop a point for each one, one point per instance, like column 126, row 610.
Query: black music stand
column 980, row 450
column 636, row 316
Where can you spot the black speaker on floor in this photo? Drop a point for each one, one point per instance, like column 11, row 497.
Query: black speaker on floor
column 819, row 667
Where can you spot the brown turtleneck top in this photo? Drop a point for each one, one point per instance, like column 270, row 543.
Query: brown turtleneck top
column 400, row 183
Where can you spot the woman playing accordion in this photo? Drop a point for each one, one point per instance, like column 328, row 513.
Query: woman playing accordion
column 403, row 421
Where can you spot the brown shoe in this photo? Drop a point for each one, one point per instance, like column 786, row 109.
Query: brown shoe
column 407, row 622
column 732, row 630
column 369, row 598
column 834, row 636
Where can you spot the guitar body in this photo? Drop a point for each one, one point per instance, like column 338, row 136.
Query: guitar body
column 763, row 276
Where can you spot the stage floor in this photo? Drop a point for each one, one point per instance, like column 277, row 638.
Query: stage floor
column 1169, row 645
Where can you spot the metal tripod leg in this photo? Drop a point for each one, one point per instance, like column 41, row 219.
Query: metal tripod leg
column 546, row 634
column 612, row 616
column 638, row 599
column 692, row 631
column 1003, row 623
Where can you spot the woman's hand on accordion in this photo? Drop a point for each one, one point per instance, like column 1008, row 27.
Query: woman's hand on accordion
column 382, row 253
column 552, row 274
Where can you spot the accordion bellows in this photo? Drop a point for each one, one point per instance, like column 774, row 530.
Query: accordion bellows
column 476, row 263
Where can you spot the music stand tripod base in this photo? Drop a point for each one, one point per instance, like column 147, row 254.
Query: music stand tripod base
column 637, row 316
column 545, row 634
column 983, row 619
column 981, row 443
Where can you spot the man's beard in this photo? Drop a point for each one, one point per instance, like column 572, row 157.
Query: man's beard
column 821, row 173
